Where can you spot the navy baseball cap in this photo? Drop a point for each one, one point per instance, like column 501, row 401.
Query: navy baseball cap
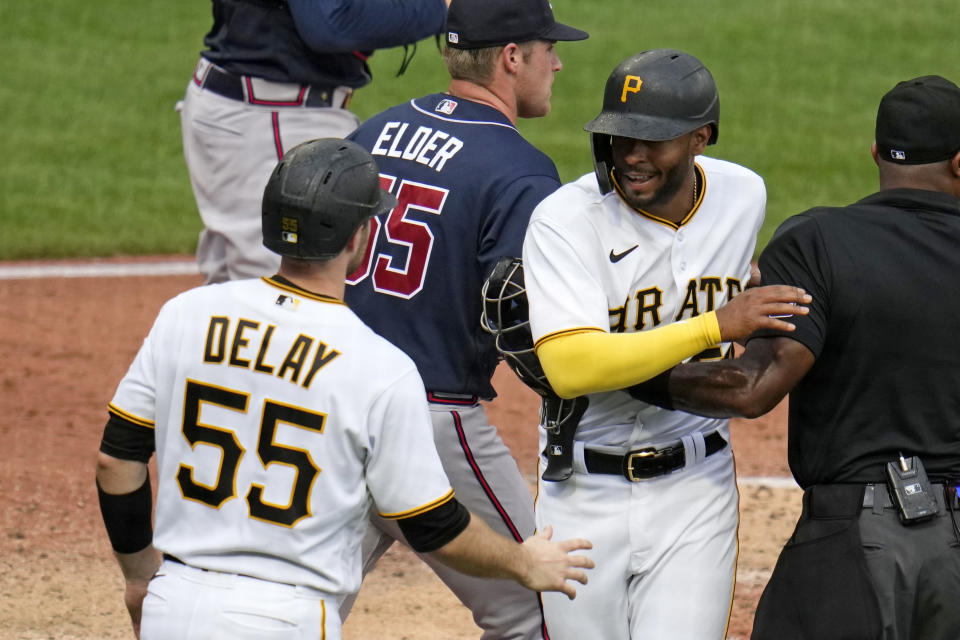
column 476, row 24
column 918, row 121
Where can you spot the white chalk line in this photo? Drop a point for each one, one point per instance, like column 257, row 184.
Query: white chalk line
column 96, row 269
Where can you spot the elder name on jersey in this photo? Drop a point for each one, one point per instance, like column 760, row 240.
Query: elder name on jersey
column 430, row 147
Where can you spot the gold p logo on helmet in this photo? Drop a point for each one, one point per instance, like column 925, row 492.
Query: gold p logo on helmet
column 631, row 84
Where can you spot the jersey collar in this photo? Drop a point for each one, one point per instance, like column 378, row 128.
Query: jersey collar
column 280, row 282
column 921, row 199
column 646, row 214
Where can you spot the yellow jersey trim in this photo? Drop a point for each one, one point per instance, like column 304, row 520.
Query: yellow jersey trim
column 300, row 291
column 400, row 515
column 565, row 332
column 129, row 417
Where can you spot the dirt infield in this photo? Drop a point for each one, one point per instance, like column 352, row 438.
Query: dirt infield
column 66, row 342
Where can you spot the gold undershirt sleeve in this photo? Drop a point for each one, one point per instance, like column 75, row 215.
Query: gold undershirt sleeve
column 591, row 361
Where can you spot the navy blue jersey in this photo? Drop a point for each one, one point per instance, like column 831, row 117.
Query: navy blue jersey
column 467, row 183
column 311, row 41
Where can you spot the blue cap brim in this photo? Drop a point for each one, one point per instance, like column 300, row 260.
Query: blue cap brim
column 564, row 33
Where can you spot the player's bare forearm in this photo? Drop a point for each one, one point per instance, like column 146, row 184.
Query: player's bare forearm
column 768, row 307
column 121, row 482
column 138, row 568
column 716, row 389
column 538, row 563
column 116, row 476
column 748, row 386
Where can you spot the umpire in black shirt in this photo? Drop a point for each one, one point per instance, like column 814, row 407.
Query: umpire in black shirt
column 873, row 374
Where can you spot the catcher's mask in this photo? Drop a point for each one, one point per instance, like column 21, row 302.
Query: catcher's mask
column 506, row 316
column 659, row 94
column 317, row 197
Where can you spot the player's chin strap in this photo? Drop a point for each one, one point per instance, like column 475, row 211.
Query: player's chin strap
column 560, row 418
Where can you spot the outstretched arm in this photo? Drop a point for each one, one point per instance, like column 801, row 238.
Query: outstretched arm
column 748, row 386
column 594, row 361
column 538, row 564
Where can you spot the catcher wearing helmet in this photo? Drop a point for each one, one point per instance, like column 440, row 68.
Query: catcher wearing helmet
column 629, row 270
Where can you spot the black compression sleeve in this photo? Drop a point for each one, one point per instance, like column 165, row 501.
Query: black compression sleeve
column 433, row 529
column 127, row 518
column 654, row 391
column 127, row 441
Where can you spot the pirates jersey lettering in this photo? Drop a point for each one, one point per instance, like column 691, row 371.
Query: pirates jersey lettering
column 702, row 295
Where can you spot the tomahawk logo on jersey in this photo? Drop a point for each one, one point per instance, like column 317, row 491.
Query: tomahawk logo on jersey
column 422, row 257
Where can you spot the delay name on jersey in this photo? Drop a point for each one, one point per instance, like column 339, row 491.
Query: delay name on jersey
column 238, row 334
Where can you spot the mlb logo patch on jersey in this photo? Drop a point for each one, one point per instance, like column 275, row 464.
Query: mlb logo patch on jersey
column 446, row 106
column 896, row 154
column 287, row 302
column 453, row 36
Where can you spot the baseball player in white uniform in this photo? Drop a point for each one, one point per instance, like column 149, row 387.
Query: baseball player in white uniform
column 277, row 416
column 659, row 238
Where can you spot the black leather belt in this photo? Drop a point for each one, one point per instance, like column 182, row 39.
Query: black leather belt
column 642, row 464
column 228, row 85
column 845, row 500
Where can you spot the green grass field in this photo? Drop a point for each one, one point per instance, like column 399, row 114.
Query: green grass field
column 92, row 164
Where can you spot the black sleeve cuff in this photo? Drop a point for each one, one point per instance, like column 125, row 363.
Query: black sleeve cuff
column 433, row 529
column 126, row 440
column 654, row 391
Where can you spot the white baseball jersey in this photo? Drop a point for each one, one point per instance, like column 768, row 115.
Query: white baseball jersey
column 665, row 547
column 591, row 261
column 278, row 415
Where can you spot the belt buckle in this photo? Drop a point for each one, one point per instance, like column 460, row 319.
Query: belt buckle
column 648, row 452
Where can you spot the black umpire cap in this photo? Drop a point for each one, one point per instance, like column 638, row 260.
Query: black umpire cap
column 476, row 24
column 918, row 121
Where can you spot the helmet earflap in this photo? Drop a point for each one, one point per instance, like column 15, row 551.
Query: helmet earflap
column 602, row 145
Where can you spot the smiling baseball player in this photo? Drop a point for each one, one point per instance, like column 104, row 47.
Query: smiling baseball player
column 657, row 239
column 277, row 418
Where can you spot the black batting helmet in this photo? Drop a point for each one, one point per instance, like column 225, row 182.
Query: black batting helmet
column 659, row 94
column 317, row 197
